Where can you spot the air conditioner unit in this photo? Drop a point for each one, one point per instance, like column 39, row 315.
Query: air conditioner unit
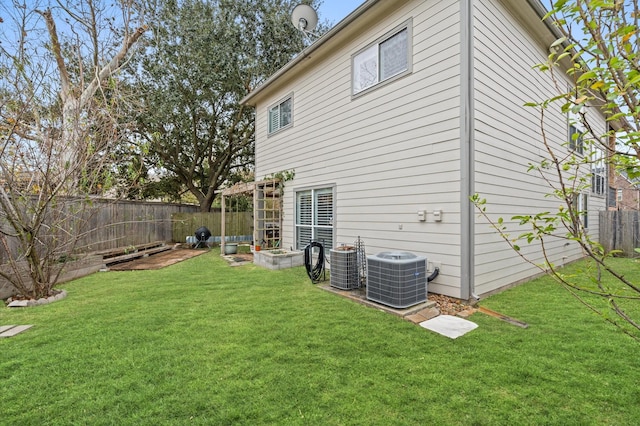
column 397, row 279
column 344, row 268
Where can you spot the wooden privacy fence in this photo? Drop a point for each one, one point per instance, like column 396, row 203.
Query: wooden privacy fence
column 125, row 223
column 102, row 224
column 620, row 230
column 238, row 225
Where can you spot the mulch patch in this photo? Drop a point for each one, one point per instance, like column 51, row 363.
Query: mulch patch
column 157, row 261
column 449, row 305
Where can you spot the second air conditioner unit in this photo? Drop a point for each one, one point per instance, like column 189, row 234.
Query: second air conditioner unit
column 344, row 268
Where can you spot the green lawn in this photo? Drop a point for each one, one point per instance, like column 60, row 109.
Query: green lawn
column 203, row 343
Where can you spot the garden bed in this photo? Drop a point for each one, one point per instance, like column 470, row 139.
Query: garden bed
column 278, row 259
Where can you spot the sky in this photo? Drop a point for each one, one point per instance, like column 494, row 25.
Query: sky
column 336, row 10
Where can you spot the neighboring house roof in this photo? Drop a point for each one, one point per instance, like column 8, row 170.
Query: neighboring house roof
column 633, row 182
column 548, row 35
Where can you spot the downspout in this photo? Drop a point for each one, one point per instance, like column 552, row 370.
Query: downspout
column 467, row 228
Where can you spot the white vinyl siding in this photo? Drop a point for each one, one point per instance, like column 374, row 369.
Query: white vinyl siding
column 397, row 149
column 390, row 153
column 508, row 137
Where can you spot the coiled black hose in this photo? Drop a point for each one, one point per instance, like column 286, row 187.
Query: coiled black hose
column 314, row 271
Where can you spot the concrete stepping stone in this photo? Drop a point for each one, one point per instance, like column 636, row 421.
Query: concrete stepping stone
column 12, row 330
column 4, row 328
column 18, row 304
column 450, row 326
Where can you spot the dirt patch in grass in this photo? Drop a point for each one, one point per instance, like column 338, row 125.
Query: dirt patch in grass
column 158, row 261
column 245, row 257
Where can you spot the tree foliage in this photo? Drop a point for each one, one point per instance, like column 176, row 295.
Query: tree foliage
column 204, row 56
column 59, row 109
column 602, row 41
column 595, row 65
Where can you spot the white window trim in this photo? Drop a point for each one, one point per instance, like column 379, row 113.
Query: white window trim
column 575, row 126
column 313, row 225
column 581, row 206
column 274, row 105
column 573, row 122
column 407, row 25
column 598, row 172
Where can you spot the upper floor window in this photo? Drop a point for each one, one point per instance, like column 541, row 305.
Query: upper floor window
column 388, row 57
column 598, row 172
column 576, row 132
column 280, row 115
column 576, row 143
column 581, row 206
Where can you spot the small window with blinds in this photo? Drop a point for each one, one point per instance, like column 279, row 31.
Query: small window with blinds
column 314, row 217
column 281, row 115
column 384, row 60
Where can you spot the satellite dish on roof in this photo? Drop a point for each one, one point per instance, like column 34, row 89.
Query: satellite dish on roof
column 304, row 18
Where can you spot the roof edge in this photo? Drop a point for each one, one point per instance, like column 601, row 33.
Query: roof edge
column 537, row 6
column 542, row 11
column 310, row 49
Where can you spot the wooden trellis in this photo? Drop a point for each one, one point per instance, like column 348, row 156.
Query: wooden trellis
column 267, row 211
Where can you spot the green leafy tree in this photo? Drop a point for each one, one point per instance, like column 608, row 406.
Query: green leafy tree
column 203, row 58
column 598, row 53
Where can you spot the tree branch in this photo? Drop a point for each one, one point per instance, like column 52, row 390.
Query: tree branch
column 113, row 65
column 57, row 53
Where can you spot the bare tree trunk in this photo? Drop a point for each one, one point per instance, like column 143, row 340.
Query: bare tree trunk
column 57, row 131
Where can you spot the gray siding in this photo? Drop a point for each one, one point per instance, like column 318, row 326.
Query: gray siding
column 396, row 149
column 508, row 137
column 389, row 152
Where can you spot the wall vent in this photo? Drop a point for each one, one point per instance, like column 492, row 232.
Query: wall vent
column 397, row 279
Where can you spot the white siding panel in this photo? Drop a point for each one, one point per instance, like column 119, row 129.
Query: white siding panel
column 508, row 137
column 505, row 138
column 389, row 152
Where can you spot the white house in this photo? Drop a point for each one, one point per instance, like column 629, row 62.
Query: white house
column 408, row 107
